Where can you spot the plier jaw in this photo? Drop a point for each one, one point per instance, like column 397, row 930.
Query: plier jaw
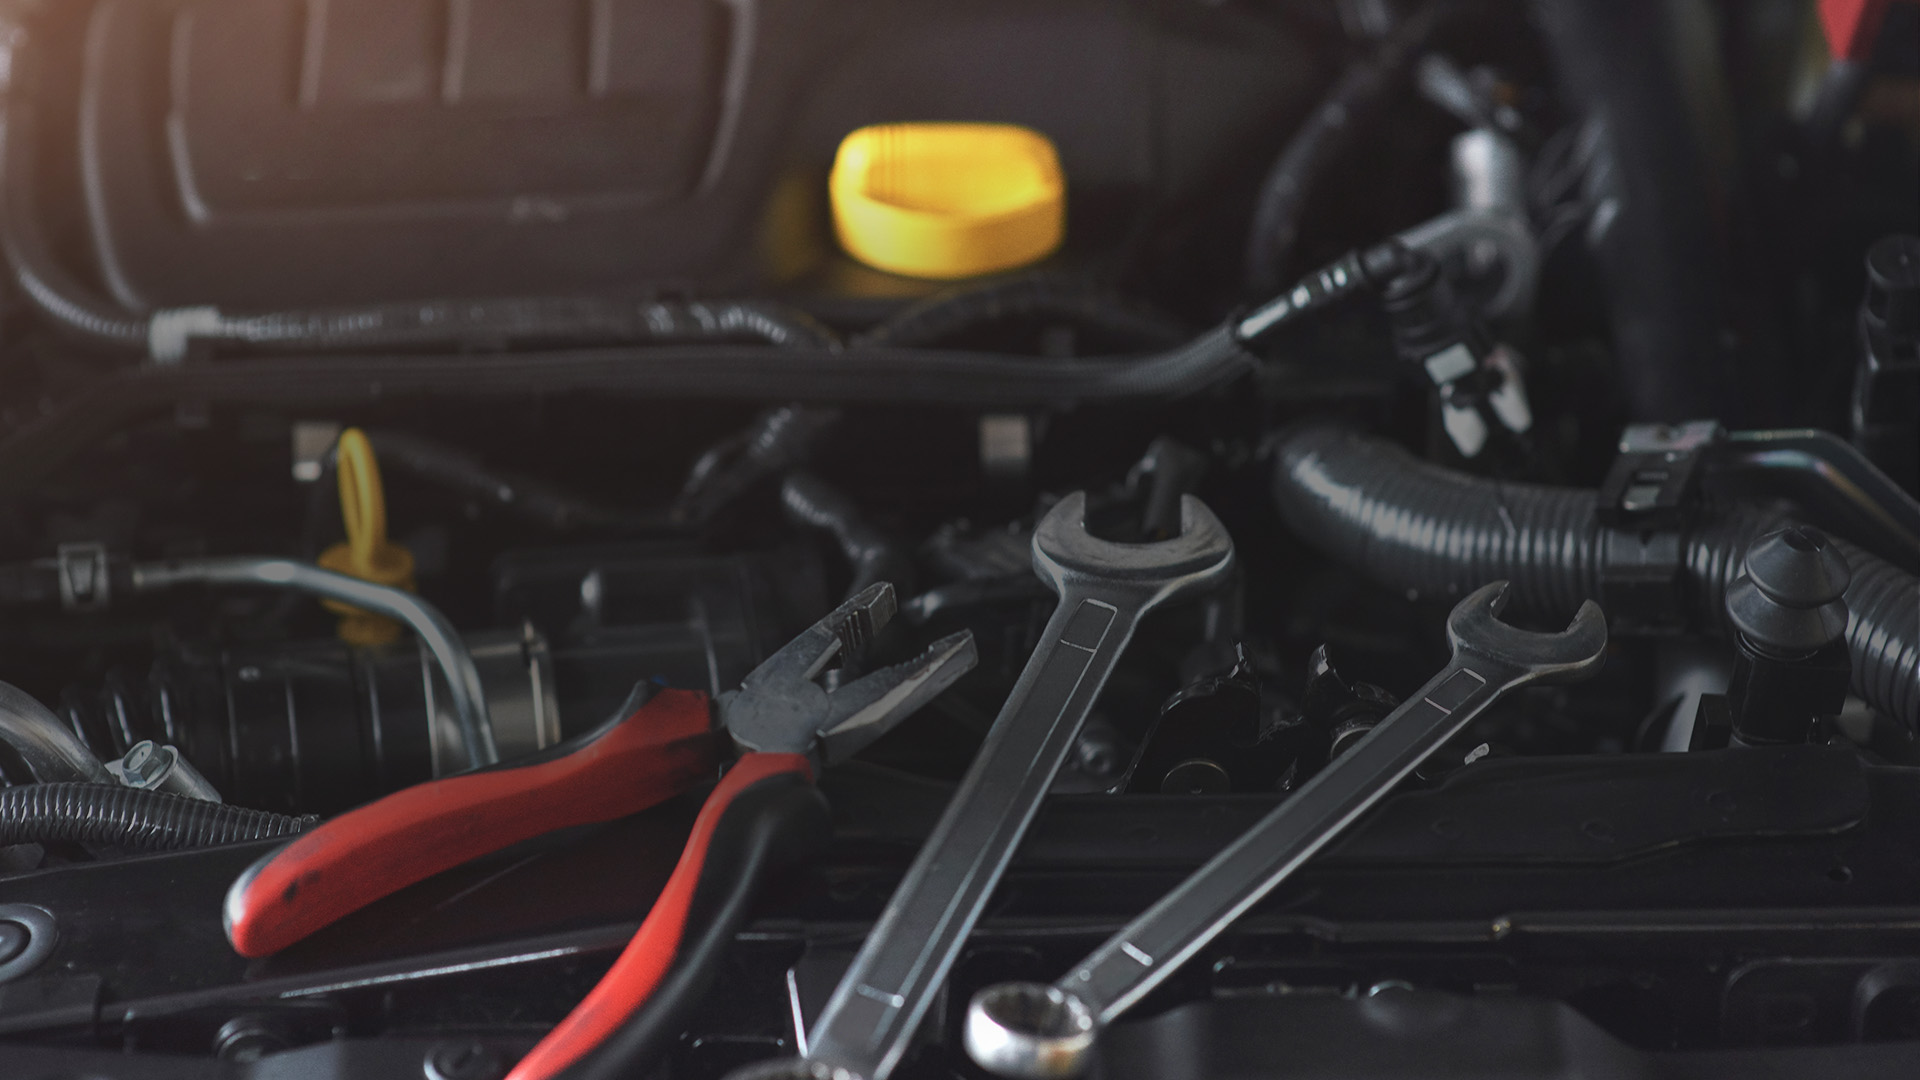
column 782, row 707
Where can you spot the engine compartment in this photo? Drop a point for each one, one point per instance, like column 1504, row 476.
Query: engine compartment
column 1613, row 302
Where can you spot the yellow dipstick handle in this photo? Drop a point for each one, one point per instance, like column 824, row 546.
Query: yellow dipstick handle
column 366, row 553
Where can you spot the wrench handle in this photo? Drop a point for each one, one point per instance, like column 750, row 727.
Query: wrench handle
column 1155, row 945
column 868, row 1023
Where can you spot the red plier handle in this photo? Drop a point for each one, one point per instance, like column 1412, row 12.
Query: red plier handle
column 663, row 748
column 764, row 815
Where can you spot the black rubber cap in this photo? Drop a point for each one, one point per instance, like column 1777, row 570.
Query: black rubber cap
column 1893, row 284
column 1787, row 598
column 1422, row 310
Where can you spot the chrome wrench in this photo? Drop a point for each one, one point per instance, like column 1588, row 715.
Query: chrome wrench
column 1104, row 587
column 1032, row 1031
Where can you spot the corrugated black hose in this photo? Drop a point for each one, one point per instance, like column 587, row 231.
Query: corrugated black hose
column 1418, row 527
column 132, row 818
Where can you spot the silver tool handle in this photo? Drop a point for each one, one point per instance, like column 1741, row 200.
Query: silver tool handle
column 1153, row 946
column 880, row 1002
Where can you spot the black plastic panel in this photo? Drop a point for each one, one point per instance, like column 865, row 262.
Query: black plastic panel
column 266, row 153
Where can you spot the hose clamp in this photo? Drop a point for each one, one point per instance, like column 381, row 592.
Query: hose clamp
column 1644, row 509
column 1653, row 482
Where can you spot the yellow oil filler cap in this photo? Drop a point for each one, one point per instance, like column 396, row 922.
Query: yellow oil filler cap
column 942, row 200
column 366, row 553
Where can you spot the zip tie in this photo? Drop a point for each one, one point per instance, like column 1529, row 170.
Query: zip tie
column 170, row 330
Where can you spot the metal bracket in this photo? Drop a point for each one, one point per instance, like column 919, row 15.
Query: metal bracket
column 1644, row 505
column 85, row 583
column 1652, row 482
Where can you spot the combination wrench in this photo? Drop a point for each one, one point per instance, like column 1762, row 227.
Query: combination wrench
column 1105, row 588
column 1032, row 1031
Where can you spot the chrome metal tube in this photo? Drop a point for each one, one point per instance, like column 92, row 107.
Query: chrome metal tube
column 439, row 636
column 52, row 753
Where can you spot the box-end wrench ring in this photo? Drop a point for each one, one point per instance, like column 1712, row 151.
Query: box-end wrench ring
column 1105, row 587
column 1036, row 1032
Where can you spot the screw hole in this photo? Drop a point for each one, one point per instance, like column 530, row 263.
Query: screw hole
column 1840, row 874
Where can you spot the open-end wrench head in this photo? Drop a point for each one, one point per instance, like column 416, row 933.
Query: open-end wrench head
column 1475, row 628
column 1063, row 549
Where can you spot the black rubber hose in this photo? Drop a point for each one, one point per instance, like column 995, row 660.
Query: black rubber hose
column 872, row 555
column 780, row 439
column 775, row 824
column 1656, row 245
column 1330, row 128
column 1427, row 530
column 132, row 818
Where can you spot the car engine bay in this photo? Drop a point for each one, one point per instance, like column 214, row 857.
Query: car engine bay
column 1416, row 575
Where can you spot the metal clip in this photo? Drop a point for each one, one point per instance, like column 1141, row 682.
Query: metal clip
column 1654, row 478
column 85, row 583
column 1644, row 507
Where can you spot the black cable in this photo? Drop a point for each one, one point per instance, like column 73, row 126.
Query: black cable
column 132, row 818
column 872, row 555
column 778, row 440
column 539, row 321
column 1327, row 131
column 774, row 824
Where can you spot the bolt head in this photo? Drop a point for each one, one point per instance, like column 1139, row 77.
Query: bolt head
column 144, row 763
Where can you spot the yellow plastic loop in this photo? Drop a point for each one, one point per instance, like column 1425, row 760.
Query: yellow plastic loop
column 945, row 201
column 363, row 502
column 367, row 553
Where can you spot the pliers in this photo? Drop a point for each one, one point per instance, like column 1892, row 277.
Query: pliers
column 782, row 724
